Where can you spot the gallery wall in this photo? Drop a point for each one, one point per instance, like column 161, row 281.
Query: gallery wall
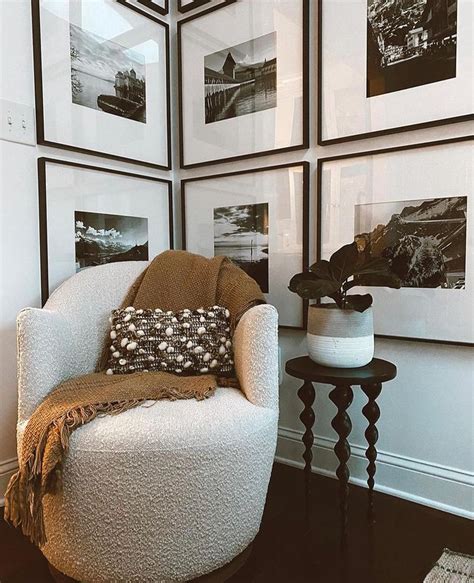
column 426, row 439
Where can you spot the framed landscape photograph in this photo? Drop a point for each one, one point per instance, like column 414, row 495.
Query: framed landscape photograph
column 243, row 80
column 259, row 219
column 102, row 80
column 387, row 66
column 92, row 216
column 413, row 206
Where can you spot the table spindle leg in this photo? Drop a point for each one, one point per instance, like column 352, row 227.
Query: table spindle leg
column 342, row 396
column 371, row 412
column 307, row 394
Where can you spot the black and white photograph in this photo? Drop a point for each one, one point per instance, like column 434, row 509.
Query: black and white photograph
column 107, row 76
column 242, row 79
column 424, row 240
column 410, row 43
column 102, row 238
column 241, row 233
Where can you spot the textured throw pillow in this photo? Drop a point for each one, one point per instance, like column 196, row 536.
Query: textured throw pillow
column 185, row 342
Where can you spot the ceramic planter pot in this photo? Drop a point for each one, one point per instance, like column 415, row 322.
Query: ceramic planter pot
column 340, row 338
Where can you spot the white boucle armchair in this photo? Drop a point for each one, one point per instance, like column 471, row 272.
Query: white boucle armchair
column 160, row 493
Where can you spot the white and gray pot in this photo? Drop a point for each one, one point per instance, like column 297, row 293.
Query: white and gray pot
column 340, row 338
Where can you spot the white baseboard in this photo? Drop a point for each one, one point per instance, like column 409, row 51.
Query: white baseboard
column 441, row 487
column 7, row 469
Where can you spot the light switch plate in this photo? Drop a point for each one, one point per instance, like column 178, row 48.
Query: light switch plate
column 17, row 123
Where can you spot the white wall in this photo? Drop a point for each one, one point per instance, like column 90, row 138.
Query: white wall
column 426, row 428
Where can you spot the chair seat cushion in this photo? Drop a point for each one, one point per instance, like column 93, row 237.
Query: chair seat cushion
column 170, row 425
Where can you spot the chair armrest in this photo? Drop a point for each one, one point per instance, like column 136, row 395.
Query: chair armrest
column 256, row 355
column 45, row 356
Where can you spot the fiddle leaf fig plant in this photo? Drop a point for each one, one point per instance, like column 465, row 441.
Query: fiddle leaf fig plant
column 346, row 269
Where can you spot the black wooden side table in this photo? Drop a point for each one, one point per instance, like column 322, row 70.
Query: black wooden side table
column 370, row 379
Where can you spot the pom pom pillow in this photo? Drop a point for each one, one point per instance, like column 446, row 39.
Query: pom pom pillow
column 185, row 342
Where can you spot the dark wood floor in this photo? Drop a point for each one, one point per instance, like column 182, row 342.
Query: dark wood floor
column 401, row 547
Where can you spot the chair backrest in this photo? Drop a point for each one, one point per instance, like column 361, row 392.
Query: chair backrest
column 86, row 299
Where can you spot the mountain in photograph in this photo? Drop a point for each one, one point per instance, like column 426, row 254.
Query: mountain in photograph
column 101, row 238
column 425, row 241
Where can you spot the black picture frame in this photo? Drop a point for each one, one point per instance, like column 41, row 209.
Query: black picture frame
column 305, row 215
column 305, row 105
column 39, row 102
column 385, row 132
column 42, row 199
column 407, row 147
column 155, row 6
column 191, row 5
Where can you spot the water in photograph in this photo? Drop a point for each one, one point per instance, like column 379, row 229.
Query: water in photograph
column 241, row 100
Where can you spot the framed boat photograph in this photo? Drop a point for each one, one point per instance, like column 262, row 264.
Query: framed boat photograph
column 187, row 5
column 413, row 206
column 150, row 6
column 102, row 80
column 243, row 80
column 259, row 219
column 92, row 216
column 386, row 66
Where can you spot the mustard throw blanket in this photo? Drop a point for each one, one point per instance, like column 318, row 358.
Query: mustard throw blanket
column 175, row 280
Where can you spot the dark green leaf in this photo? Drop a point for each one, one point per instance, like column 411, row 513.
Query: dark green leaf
column 321, row 269
column 315, row 289
column 358, row 302
column 299, row 277
column 343, row 262
column 379, row 280
column 376, row 265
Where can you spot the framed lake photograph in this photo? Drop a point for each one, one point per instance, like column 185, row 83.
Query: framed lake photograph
column 387, row 66
column 243, row 80
column 102, row 80
column 259, row 219
column 92, row 216
column 413, row 206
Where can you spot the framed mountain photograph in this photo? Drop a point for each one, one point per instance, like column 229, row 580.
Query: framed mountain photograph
column 259, row 219
column 92, row 216
column 393, row 65
column 243, row 80
column 413, row 206
column 102, row 80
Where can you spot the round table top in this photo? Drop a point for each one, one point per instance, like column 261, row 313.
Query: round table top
column 377, row 371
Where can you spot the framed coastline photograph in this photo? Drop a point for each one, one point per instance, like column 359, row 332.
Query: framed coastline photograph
column 243, row 87
column 259, row 219
column 413, row 206
column 187, row 5
column 386, row 67
column 92, row 216
column 149, row 6
column 102, row 80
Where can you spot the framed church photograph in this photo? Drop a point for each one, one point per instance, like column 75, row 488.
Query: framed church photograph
column 412, row 205
column 386, row 66
column 243, row 80
column 92, row 216
column 259, row 219
column 102, row 80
